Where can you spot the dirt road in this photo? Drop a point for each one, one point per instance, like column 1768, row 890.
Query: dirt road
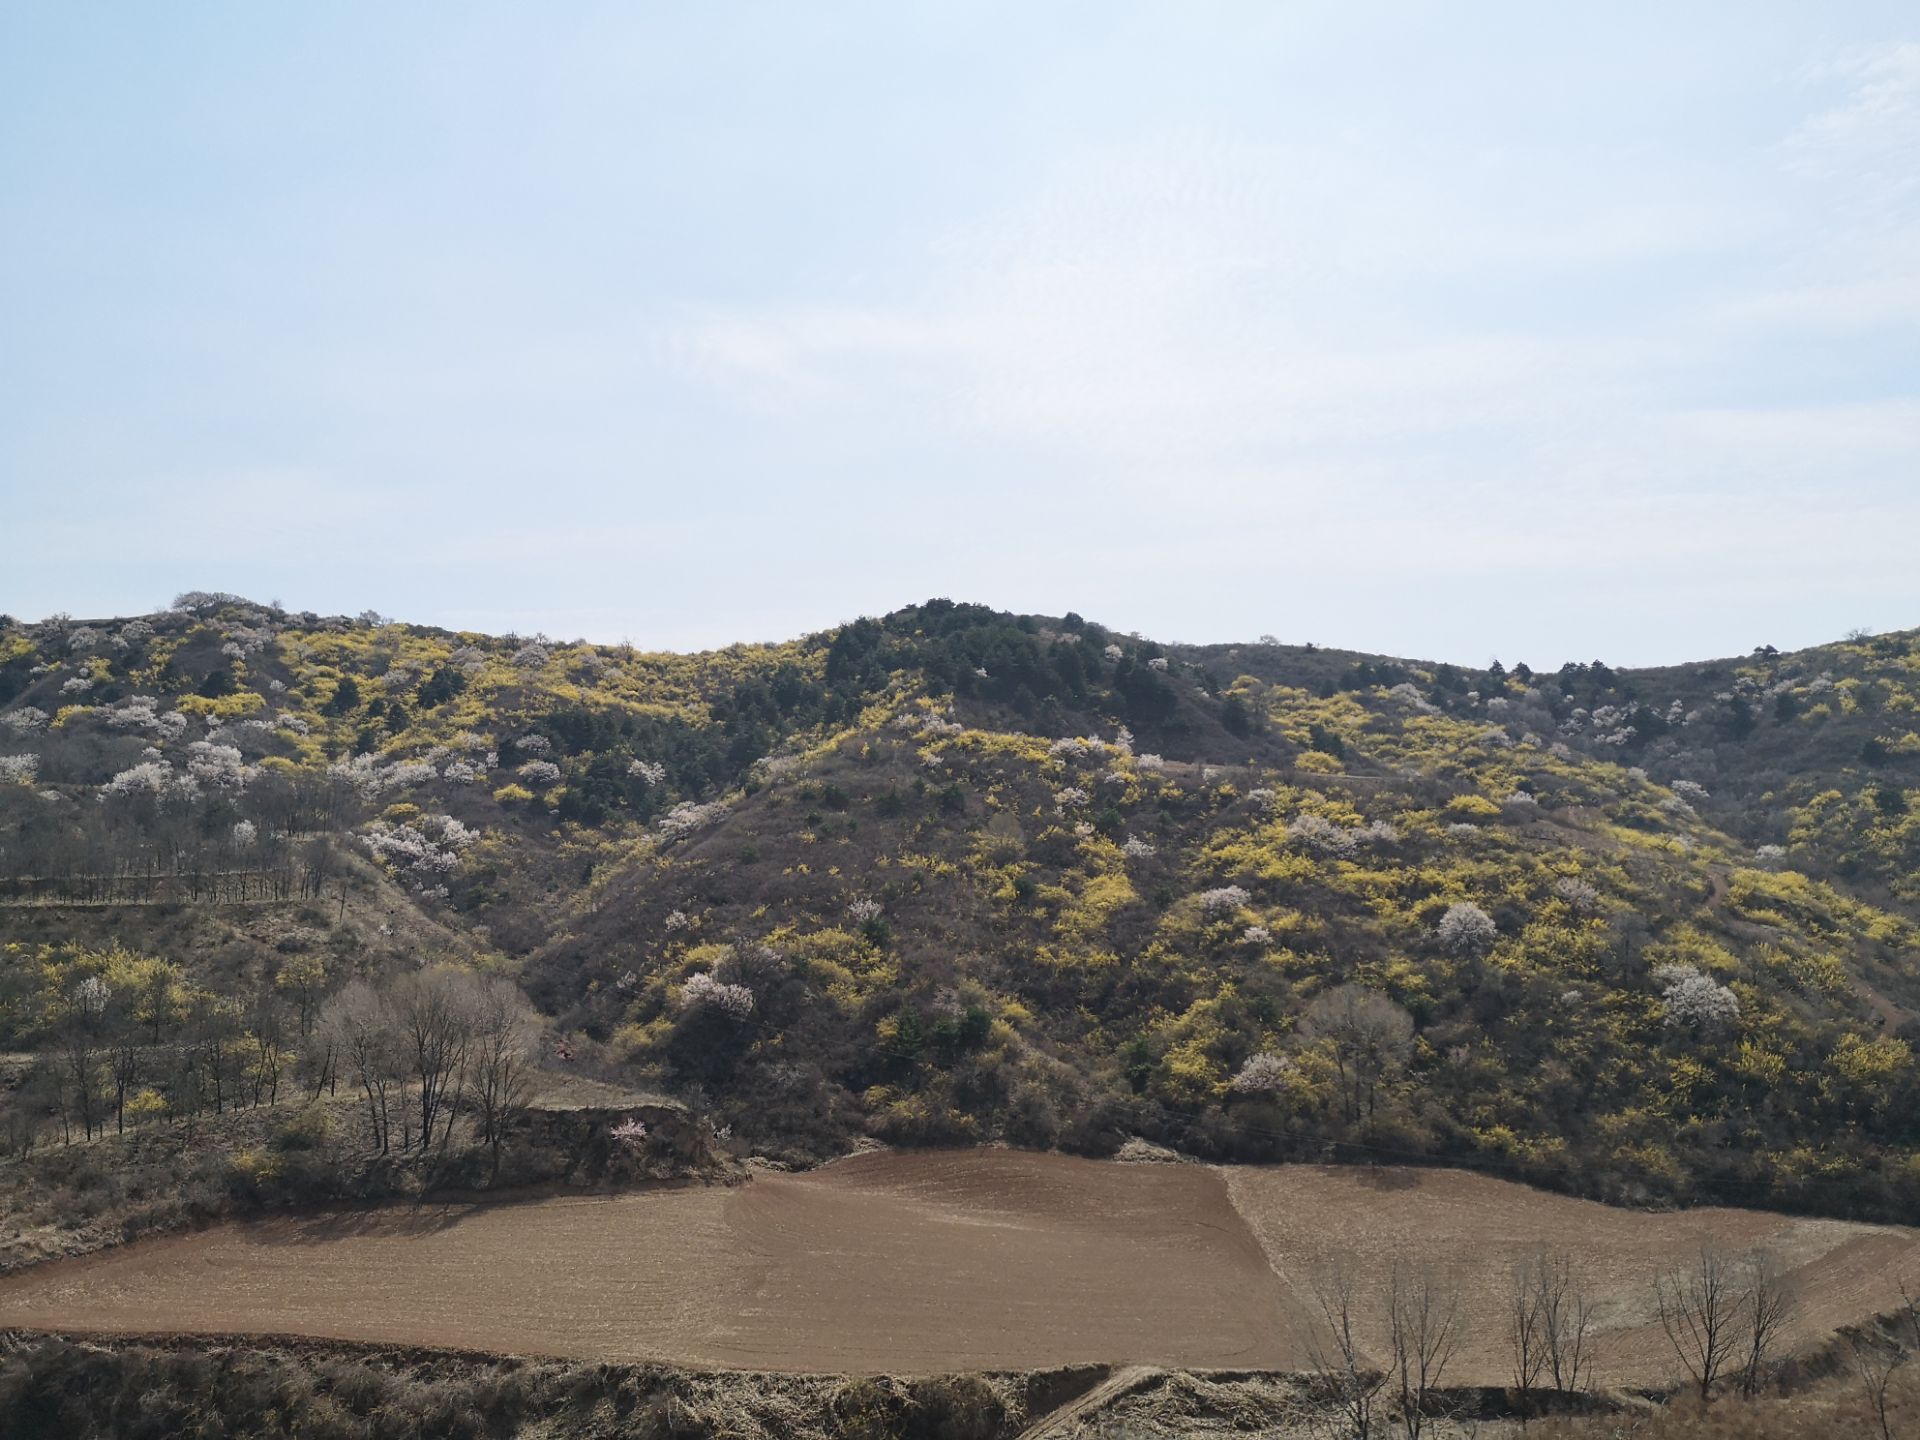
column 917, row 1262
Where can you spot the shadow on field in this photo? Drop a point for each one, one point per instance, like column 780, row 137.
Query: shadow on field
column 425, row 1217
column 1390, row 1177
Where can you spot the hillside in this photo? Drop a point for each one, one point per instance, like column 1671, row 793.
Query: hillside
column 955, row 875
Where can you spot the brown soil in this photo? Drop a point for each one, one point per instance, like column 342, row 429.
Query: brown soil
column 923, row 1262
column 1472, row 1231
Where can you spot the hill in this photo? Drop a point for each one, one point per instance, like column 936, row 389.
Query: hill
column 955, row 875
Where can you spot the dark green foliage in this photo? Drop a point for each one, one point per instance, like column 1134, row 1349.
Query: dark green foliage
column 345, row 697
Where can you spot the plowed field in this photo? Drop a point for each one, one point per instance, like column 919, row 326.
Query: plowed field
column 915, row 1262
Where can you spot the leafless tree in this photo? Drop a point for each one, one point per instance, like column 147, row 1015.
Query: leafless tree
column 1566, row 1314
column 1767, row 1306
column 358, row 1028
column 1700, row 1307
column 433, row 1016
column 1526, row 1332
column 1874, row 1365
column 1369, row 1037
column 505, row 1034
column 1347, row 1383
column 1424, row 1322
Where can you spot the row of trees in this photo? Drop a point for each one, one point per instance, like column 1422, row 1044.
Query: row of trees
column 425, row 1047
column 124, row 1039
column 1724, row 1314
column 273, row 840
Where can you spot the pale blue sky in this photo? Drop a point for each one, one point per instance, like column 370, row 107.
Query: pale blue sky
column 1539, row 331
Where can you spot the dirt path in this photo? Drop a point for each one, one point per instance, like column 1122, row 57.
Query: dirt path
column 919, row 1262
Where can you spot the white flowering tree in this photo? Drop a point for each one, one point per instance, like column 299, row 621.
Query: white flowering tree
column 1466, row 929
column 1265, row 1074
column 1222, row 901
column 704, row 991
column 1694, row 1001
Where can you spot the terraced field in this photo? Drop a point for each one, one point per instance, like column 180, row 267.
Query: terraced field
column 915, row 1262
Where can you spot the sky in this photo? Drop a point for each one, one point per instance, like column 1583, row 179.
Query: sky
column 1539, row 332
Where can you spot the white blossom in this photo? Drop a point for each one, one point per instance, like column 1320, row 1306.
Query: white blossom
column 1258, row 935
column 531, row 656
column 1692, row 791
column 863, row 912
column 534, row 744
column 220, row 767
column 1694, row 1001
column 25, row 720
column 540, row 772
column 77, row 685
column 1466, row 929
column 1771, row 855
column 91, row 996
column 648, row 772
column 1461, row 829
column 1223, row 900
column 677, row 920
column 1324, row 837
column 426, row 849
column 1134, row 848
column 1149, row 762
column 150, row 777
column 1159, row 662
column 687, row 817
column 1409, row 695
column 1078, row 747
column 19, row 769
column 1264, row 1074
column 704, row 990
column 1070, row 798
column 245, row 834
column 1113, row 652
column 1577, row 893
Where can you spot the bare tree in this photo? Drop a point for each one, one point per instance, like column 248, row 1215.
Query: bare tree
column 358, row 1029
column 1566, row 1314
column 1876, row 1359
column 1874, row 1366
column 1526, row 1332
column 1347, row 1383
column 1700, row 1310
column 81, row 1032
column 1369, row 1037
column 1767, row 1306
column 433, row 1015
column 505, row 1034
column 1424, row 1319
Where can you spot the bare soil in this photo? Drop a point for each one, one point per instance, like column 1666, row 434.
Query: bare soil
column 917, row 1262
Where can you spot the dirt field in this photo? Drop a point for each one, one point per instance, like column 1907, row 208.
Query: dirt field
column 914, row 1262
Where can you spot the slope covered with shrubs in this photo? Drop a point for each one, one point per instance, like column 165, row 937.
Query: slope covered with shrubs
column 954, row 875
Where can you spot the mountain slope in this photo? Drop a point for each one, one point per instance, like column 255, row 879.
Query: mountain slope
column 955, row 875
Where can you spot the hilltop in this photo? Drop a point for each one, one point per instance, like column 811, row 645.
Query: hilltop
column 954, row 875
